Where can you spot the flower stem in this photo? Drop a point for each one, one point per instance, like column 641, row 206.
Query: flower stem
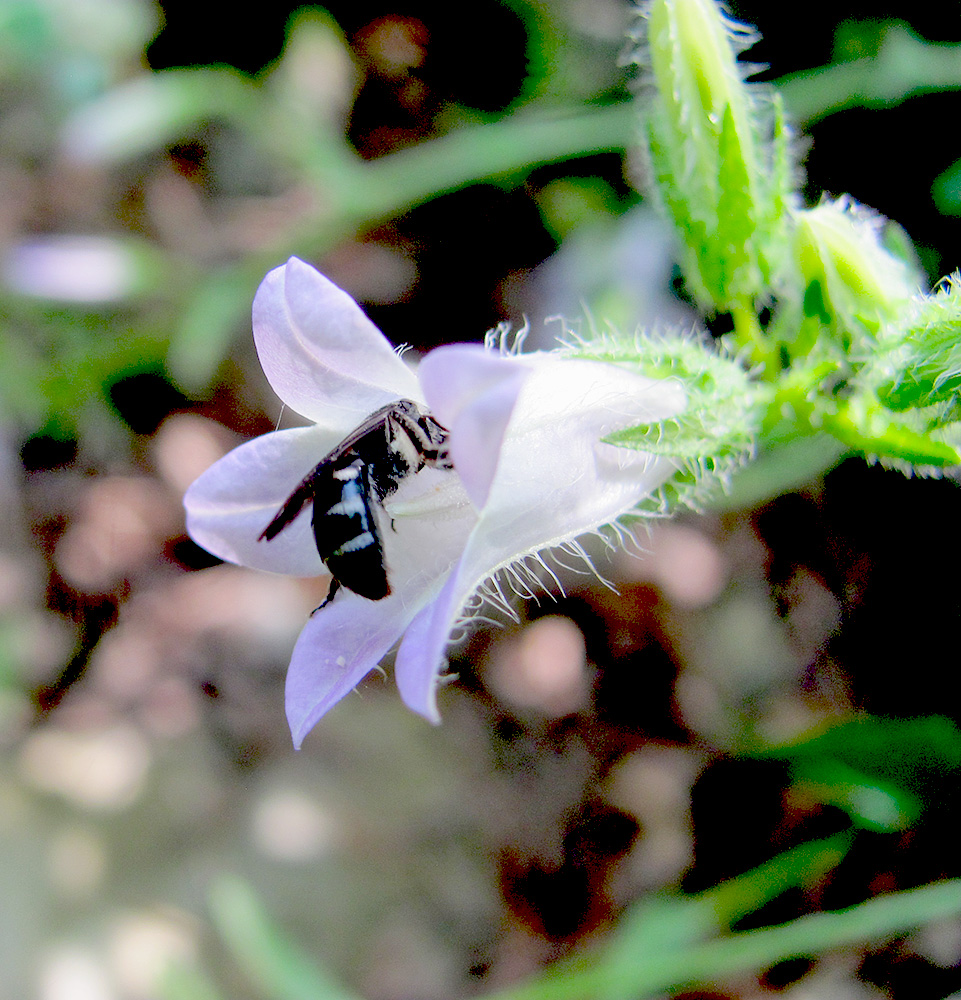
column 749, row 333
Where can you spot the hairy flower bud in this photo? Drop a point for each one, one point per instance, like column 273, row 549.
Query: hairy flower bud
column 852, row 284
column 707, row 157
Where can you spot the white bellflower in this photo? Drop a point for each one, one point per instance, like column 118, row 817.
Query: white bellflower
column 530, row 473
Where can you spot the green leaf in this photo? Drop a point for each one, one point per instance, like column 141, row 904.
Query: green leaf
column 905, row 65
column 779, row 469
column 506, row 148
column 736, row 217
column 851, row 280
column 213, row 315
column 921, row 386
column 774, row 244
column 902, row 750
column 883, row 917
column 673, row 921
column 714, row 435
column 876, row 434
column 672, row 925
column 946, row 190
column 156, row 109
column 923, row 366
column 880, row 771
column 668, row 439
column 871, row 803
column 181, row 982
column 275, row 963
column 648, row 972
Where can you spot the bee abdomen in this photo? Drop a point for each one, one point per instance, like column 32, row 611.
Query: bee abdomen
column 346, row 532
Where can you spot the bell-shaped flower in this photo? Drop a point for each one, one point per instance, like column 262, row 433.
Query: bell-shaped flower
column 530, row 473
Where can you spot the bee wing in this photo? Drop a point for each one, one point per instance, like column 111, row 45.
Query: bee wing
column 306, row 490
column 376, row 422
column 293, row 505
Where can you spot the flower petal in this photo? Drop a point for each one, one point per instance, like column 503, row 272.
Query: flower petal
column 555, row 481
column 424, row 530
column 320, row 353
column 472, row 392
column 234, row 500
column 420, row 657
column 338, row 647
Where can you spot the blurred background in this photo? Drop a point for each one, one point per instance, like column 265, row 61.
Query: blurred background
column 771, row 671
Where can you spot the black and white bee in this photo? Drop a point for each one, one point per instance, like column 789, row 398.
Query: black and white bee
column 348, row 485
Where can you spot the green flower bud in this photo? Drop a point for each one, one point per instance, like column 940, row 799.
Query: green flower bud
column 923, row 368
column 852, row 284
column 717, row 178
column 714, row 436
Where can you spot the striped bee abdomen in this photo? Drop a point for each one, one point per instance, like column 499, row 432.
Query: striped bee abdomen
column 346, row 532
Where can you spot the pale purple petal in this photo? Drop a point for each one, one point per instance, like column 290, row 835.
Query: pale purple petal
column 555, row 481
column 472, row 393
column 424, row 529
column 235, row 499
column 338, row 647
column 321, row 354
column 420, row 657
column 428, row 521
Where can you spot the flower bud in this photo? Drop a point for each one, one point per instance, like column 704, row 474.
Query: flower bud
column 852, row 283
column 705, row 150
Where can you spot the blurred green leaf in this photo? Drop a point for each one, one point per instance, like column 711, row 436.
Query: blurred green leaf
column 277, row 965
column 212, row 317
column 896, row 748
column 154, row 110
column 946, row 190
column 180, row 982
column 649, row 950
column 571, row 203
column 646, row 970
column 880, row 771
column 25, row 35
column 781, row 468
column 870, row 802
column 878, row 918
column 505, row 148
column 664, row 924
column 672, row 921
column 68, row 45
column 8, row 654
column 905, row 65
column 57, row 364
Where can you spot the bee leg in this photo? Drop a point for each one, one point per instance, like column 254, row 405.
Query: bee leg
column 331, row 590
